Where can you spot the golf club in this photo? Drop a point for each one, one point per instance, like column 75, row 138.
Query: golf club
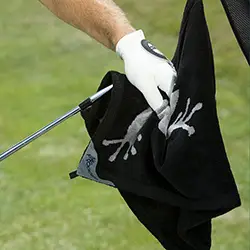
column 82, row 106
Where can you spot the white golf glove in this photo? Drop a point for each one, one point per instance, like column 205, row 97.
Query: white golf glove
column 146, row 67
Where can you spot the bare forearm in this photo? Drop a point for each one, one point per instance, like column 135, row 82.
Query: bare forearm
column 101, row 19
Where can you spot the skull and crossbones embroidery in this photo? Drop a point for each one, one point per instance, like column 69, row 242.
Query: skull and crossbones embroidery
column 165, row 114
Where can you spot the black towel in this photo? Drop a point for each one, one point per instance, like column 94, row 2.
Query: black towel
column 170, row 166
column 238, row 13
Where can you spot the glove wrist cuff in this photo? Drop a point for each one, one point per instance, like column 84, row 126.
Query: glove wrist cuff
column 129, row 42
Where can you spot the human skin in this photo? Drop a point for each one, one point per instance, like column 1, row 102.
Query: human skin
column 103, row 20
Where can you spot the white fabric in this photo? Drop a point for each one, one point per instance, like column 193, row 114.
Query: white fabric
column 144, row 70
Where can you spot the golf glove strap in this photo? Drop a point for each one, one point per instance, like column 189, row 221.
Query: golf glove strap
column 146, row 67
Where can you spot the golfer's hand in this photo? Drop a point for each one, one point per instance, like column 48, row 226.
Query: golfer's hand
column 146, row 67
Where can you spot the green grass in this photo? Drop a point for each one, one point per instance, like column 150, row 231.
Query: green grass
column 47, row 68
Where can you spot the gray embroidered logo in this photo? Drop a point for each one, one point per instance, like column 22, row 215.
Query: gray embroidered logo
column 164, row 113
column 130, row 137
column 167, row 111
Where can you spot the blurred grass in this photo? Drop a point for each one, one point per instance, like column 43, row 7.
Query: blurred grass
column 47, row 68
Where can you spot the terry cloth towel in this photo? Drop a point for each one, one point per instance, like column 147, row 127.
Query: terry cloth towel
column 170, row 166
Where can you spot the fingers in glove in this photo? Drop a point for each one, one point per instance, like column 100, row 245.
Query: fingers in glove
column 152, row 96
column 165, row 79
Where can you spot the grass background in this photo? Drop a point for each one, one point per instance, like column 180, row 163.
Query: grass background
column 47, row 68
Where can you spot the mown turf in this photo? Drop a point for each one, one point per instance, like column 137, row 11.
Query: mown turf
column 46, row 68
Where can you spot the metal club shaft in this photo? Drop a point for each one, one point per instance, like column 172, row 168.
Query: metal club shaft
column 37, row 134
column 55, row 123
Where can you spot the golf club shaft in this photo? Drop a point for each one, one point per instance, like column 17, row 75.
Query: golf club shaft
column 37, row 134
column 82, row 106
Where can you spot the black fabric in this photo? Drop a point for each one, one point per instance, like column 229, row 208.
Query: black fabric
column 238, row 13
column 174, row 182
